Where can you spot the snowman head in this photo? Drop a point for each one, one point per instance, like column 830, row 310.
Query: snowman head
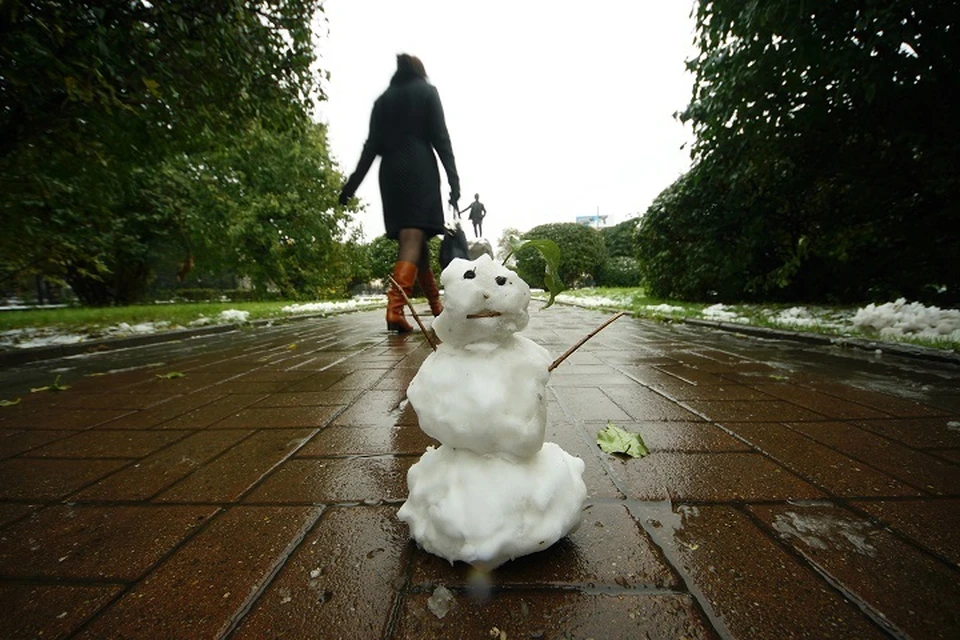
column 483, row 301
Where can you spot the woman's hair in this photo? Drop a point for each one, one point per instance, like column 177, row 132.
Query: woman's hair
column 410, row 64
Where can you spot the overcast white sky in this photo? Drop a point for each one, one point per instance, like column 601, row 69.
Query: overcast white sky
column 555, row 109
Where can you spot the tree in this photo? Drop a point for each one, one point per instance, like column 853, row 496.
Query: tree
column 619, row 239
column 100, row 99
column 582, row 253
column 825, row 137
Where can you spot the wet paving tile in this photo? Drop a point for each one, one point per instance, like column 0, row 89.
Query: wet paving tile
column 921, row 433
column 13, row 511
column 641, row 403
column 336, row 480
column 378, row 407
column 161, row 413
column 360, row 379
column 872, row 565
column 693, row 375
column 95, row 543
column 555, row 614
column 51, row 418
column 821, row 465
column 824, row 404
column 753, row 588
column 892, row 405
column 397, row 379
column 112, row 401
column 109, row 444
column 367, row 441
column 222, row 568
column 49, row 479
column 345, row 575
column 50, row 611
column 749, row 411
column 308, row 399
column 584, row 558
column 917, row 469
column 278, row 417
column 227, row 477
column 931, row 524
column 13, row 442
column 212, row 412
column 153, row 474
column 588, row 403
column 708, row 477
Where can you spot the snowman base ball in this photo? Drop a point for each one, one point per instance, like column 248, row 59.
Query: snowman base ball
column 486, row 509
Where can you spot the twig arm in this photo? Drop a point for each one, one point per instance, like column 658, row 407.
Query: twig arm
column 579, row 344
column 414, row 312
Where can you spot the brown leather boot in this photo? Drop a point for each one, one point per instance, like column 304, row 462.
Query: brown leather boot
column 405, row 273
column 430, row 289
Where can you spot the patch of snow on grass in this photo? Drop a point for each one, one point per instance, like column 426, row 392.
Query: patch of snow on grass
column 234, row 315
column 664, row 308
column 901, row 318
column 590, row 301
column 125, row 329
column 359, row 302
column 722, row 313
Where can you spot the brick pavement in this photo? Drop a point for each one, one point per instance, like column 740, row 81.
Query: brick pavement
column 792, row 492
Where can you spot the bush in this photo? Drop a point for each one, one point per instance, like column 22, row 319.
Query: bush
column 620, row 239
column 582, row 254
column 620, row 271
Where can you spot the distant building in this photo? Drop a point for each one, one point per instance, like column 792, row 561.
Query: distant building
column 595, row 221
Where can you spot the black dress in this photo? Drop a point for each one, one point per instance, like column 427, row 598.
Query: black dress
column 406, row 125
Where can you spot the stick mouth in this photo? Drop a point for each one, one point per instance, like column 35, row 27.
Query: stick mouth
column 483, row 314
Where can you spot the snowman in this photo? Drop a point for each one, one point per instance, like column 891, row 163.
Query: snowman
column 493, row 490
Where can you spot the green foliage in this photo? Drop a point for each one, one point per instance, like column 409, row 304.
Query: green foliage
column 620, row 271
column 133, row 131
column 582, row 254
column 823, row 165
column 619, row 239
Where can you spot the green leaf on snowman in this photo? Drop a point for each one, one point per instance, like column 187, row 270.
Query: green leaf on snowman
column 551, row 257
column 613, row 439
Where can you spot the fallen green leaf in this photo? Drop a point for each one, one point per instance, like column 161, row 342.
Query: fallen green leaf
column 171, row 375
column 9, row 403
column 56, row 386
column 613, row 439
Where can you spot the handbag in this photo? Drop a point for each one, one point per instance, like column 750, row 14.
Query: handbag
column 453, row 245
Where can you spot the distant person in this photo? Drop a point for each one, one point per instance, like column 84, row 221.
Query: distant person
column 477, row 213
column 406, row 126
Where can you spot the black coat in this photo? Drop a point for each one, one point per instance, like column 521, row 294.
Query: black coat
column 406, row 125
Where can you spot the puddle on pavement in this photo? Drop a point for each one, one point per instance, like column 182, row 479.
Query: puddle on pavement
column 826, row 531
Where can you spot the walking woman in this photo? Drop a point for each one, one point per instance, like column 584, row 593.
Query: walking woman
column 406, row 126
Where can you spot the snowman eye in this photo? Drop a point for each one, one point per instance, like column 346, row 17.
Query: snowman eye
column 501, row 280
column 470, row 275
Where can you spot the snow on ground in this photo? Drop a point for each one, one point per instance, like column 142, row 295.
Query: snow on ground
column 891, row 320
column 359, row 302
column 664, row 308
column 591, row 301
column 722, row 313
column 902, row 318
column 52, row 336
